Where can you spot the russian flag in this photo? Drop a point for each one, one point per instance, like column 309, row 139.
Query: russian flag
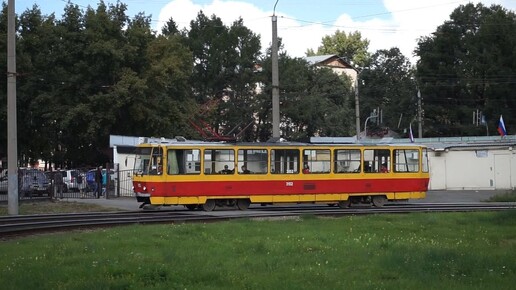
column 411, row 136
column 501, row 127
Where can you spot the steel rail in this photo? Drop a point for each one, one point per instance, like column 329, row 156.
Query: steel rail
column 33, row 224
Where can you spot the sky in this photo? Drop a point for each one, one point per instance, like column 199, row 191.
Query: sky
column 301, row 23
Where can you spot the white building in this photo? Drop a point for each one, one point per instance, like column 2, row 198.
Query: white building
column 336, row 63
column 473, row 166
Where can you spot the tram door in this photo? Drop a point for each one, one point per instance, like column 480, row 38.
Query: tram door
column 156, row 161
column 284, row 161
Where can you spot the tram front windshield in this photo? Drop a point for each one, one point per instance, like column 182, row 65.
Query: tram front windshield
column 142, row 162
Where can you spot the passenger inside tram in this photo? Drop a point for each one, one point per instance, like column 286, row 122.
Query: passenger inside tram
column 245, row 170
column 226, row 170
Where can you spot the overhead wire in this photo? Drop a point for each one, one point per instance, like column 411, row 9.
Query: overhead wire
column 326, row 23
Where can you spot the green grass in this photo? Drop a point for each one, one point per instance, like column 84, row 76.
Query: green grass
column 508, row 196
column 51, row 207
column 409, row 251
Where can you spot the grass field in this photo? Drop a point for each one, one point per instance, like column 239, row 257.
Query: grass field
column 54, row 206
column 406, row 251
column 508, row 196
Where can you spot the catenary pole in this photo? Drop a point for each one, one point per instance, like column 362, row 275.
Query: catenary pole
column 419, row 115
column 357, row 107
column 275, row 76
column 12, row 141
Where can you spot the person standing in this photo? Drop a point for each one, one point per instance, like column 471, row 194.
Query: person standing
column 104, row 182
column 98, row 181
column 58, row 183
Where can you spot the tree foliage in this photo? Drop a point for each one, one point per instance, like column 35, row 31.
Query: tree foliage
column 91, row 74
column 96, row 72
column 314, row 101
column 466, row 65
column 387, row 86
column 349, row 46
column 224, row 59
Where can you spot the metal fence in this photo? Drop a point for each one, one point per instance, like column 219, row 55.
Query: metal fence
column 122, row 185
column 35, row 184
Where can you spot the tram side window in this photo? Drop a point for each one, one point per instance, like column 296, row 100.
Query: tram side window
column 318, row 160
column 347, row 161
column 377, row 161
column 183, row 161
column 406, row 160
column 284, row 161
column 219, row 161
column 252, row 161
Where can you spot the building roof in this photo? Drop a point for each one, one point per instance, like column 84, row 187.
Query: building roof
column 327, row 59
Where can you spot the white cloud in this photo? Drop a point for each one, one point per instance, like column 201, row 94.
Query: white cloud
column 408, row 21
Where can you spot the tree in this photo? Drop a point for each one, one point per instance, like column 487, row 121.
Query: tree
column 170, row 28
column 313, row 101
column 387, row 84
column 468, row 65
column 349, row 46
column 36, row 62
column 91, row 74
column 3, row 82
column 224, row 59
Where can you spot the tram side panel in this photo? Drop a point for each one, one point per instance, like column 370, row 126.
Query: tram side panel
column 287, row 189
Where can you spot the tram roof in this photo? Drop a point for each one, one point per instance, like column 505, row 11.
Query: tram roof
column 436, row 144
column 279, row 143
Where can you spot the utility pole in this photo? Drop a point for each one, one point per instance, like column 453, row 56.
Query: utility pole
column 419, row 115
column 357, row 107
column 275, row 76
column 12, row 139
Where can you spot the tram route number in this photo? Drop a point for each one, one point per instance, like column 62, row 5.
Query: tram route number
column 289, row 183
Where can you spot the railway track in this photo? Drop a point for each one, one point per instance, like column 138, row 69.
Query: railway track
column 12, row 226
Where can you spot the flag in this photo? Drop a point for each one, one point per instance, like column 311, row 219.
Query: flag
column 501, row 127
column 411, row 136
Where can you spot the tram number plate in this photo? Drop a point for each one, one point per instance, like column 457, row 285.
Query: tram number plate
column 289, row 183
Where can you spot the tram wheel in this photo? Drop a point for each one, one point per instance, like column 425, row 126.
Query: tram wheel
column 191, row 206
column 345, row 203
column 379, row 200
column 243, row 204
column 209, row 205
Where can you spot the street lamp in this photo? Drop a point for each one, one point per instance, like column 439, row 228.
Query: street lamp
column 411, row 135
column 365, row 124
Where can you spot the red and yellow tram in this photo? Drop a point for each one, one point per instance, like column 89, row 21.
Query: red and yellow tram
column 209, row 174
